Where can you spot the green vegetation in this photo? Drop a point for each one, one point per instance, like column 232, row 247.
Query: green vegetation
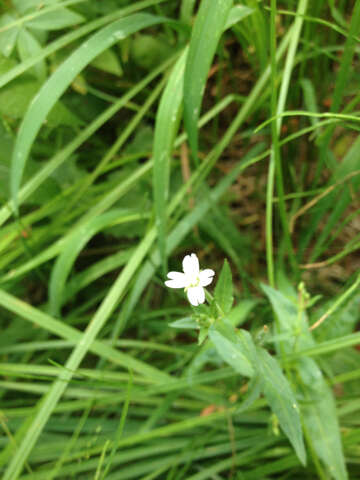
column 132, row 134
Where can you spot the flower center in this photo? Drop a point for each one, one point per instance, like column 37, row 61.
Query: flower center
column 193, row 282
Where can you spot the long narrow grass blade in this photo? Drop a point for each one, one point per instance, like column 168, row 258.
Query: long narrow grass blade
column 208, row 28
column 167, row 124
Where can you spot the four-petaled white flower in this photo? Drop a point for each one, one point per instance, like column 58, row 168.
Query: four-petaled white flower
column 193, row 280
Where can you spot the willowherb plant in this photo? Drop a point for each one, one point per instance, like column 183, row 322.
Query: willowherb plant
column 236, row 346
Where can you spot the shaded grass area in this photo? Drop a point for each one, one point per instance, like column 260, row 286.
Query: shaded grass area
column 132, row 134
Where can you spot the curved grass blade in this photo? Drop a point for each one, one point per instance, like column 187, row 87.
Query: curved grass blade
column 167, row 123
column 75, row 243
column 237, row 13
column 208, row 28
column 64, row 154
column 56, row 85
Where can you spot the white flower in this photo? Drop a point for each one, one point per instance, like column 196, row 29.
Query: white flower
column 193, row 280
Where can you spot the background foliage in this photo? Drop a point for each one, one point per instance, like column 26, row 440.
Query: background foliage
column 133, row 133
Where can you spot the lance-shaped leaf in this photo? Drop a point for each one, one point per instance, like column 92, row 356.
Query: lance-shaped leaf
column 235, row 348
column 318, row 407
column 223, row 293
column 320, row 418
column 282, row 400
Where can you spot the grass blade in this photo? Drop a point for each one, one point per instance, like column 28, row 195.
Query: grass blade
column 208, row 28
column 167, row 124
column 73, row 246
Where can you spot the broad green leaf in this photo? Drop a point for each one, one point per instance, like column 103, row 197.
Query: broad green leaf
column 166, row 126
column 223, row 293
column 56, row 20
column 24, row 5
column 206, row 33
column 17, row 95
column 239, row 314
column 70, row 251
column 320, row 418
column 28, row 46
column 55, row 86
column 253, row 393
column 43, row 194
column 290, row 322
column 147, row 51
column 236, row 349
column 341, row 322
column 207, row 353
column 185, row 323
column 282, row 400
column 108, row 62
column 8, row 37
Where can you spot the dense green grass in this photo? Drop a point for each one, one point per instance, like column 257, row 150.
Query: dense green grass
column 134, row 133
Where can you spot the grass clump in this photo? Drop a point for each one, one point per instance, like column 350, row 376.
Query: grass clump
column 135, row 134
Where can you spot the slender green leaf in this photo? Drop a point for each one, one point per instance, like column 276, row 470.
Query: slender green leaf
column 28, row 47
column 73, row 246
column 207, row 30
column 8, row 37
column 318, row 405
column 320, row 418
column 56, row 20
column 166, row 126
column 291, row 321
column 236, row 349
column 281, row 400
column 186, row 323
column 223, row 293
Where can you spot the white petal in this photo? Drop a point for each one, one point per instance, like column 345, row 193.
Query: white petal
column 191, row 265
column 206, row 277
column 196, row 295
column 176, row 280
